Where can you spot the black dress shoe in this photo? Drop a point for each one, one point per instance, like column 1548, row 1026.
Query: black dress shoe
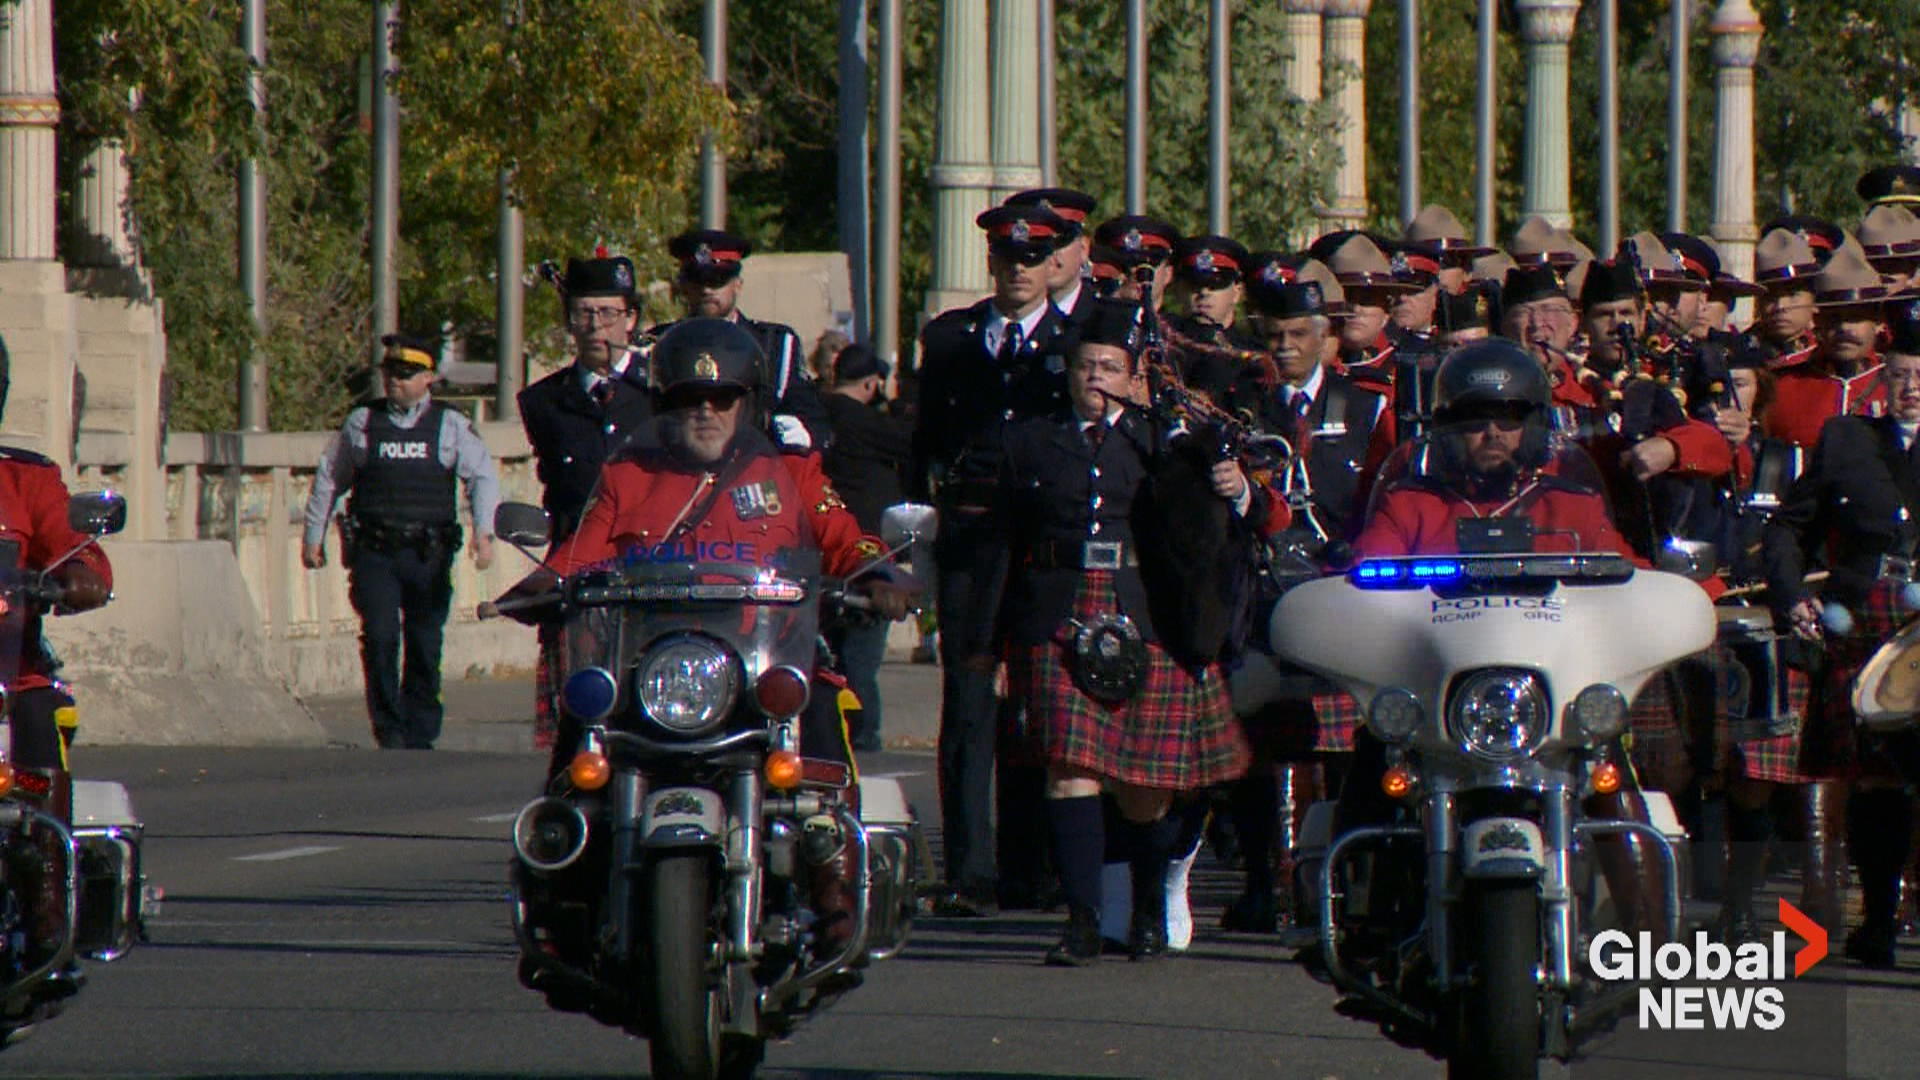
column 966, row 904
column 1146, row 943
column 1251, row 914
column 1873, row 946
column 1079, row 946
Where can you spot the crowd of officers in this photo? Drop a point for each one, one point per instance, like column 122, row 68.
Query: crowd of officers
column 1078, row 667
column 1335, row 349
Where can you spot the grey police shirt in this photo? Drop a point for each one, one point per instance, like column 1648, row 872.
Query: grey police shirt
column 461, row 450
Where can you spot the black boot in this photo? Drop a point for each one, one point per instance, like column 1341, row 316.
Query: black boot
column 1823, row 877
column 1881, row 819
column 1080, row 944
column 1747, row 834
column 1256, row 816
column 1154, row 840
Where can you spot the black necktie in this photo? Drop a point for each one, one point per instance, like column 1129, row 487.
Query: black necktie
column 603, row 392
column 1010, row 345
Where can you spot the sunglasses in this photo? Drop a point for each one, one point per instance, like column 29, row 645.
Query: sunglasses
column 720, row 398
column 1475, row 425
column 403, row 371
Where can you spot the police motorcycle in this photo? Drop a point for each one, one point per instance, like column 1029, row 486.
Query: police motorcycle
column 672, row 856
column 1456, row 911
column 87, row 875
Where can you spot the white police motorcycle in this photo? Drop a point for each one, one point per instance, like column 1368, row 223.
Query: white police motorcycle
column 1499, row 685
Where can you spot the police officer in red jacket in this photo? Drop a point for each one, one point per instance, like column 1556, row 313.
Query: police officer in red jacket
column 35, row 534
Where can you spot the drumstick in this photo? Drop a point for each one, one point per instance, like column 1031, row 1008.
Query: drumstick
column 1759, row 587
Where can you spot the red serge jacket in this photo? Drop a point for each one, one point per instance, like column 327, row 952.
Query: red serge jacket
column 776, row 502
column 33, row 521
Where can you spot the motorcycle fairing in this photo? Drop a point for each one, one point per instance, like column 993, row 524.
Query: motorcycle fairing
column 1573, row 635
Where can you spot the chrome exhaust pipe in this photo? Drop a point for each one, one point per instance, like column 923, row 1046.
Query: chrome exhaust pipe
column 549, row 834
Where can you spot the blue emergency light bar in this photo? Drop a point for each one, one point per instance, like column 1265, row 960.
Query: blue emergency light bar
column 1419, row 572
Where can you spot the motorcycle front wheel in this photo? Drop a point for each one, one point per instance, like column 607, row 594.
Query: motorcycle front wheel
column 1498, row 1034
column 687, row 1043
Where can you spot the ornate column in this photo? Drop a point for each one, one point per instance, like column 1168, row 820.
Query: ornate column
column 1736, row 45
column 1303, row 49
column 962, row 176
column 1016, row 97
column 101, row 232
column 29, row 115
column 1346, row 83
column 1547, row 26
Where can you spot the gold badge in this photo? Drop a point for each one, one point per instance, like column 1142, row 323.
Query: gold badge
column 706, row 367
column 1480, row 306
column 867, row 549
column 829, row 500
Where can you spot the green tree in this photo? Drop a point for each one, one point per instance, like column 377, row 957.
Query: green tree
column 597, row 104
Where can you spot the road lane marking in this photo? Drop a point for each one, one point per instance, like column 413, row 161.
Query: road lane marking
column 287, row 853
column 491, row 819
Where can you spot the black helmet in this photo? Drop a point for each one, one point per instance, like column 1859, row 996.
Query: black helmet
column 706, row 352
column 1490, row 372
column 1493, row 376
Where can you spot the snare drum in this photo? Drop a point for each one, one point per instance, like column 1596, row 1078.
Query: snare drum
column 1886, row 693
column 1754, row 686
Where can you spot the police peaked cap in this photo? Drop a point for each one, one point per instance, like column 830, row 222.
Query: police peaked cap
column 1137, row 237
column 1281, row 288
column 1024, row 230
column 1697, row 257
column 1210, row 259
column 1069, row 205
column 706, row 352
column 1890, row 184
column 411, row 349
column 709, row 247
column 599, row 277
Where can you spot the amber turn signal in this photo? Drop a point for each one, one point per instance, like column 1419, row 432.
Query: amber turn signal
column 1397, row 782
column 589, row 771
column 783, row 769
column 1606, row 778
column 6, row 778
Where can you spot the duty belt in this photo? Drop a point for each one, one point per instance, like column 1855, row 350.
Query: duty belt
column 1082, row 555
column 394, row 536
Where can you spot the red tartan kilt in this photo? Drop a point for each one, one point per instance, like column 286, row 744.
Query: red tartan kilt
column 1178, row 733
column 1296, row 729
column 1828, row 745
column 548, row 671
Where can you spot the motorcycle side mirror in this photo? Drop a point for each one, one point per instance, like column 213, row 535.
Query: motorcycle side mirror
column 522, row 524
column 1695, row 559
column 908, row 523
column 97, row 513
column 1337, row 555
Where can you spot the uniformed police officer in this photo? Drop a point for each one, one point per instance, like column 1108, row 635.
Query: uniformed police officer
column 398, row 462
column 579, row 415
column 1066, row 272
column 709, row 285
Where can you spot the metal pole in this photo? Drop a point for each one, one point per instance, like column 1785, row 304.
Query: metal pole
column 1049, row 160
column 1409, row 110
column 713, row 163
column 253, row 226
column 509, row 335
column 1219, row 105
column 1484, row 224
column 1609, row 18
column 386, row 176
column 1136, row 129
column 1677, row 121
column 855, row 223
column 886, row 240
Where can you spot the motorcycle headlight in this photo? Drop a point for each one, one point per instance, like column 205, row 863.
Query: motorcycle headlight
column 1499, row 714
column 1395, row 716
column 1599, row 712
column 687, row 685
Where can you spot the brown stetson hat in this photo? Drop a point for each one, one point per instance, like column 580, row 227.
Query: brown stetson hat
column 1659, row 264
column 1359, row 263
column 1493, row 267
column 1890, row 232
column 1847, row 280
column 1783, row 259
column 1538, row 240
column 1437, row 228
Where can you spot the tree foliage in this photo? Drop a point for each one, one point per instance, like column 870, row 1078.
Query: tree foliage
column 597, row 104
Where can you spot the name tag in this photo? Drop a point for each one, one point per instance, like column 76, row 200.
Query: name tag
column 407, row 451
column 1335, row 430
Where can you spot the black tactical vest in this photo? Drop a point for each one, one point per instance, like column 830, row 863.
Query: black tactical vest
column 403, row 482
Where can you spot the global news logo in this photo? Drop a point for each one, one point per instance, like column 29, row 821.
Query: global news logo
column 1746, row 978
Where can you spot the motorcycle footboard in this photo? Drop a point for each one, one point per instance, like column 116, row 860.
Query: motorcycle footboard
column 112, row 897
column 1669, row 864
column 1343, row 978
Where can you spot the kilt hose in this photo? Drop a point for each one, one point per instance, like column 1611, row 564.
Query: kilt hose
column 1828, row 745
column 1178, row 733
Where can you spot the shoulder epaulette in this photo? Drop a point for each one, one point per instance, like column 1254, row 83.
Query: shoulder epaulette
column 25, row 457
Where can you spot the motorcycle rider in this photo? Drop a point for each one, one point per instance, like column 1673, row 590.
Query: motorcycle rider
column 712, row 478
column 1492, row 456
column 34, row 533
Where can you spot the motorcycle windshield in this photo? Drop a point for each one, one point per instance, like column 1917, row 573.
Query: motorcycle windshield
column 1488, row 487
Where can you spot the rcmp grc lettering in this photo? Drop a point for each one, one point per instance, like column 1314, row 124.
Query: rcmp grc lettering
column 407, row 451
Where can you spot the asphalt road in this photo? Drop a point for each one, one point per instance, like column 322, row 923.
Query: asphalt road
column 341, row 914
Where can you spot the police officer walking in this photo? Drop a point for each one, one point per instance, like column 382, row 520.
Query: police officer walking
column 397, row 461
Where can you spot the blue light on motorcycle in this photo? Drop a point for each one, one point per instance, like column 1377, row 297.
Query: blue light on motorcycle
column 589, row 694
column 1404, row 573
